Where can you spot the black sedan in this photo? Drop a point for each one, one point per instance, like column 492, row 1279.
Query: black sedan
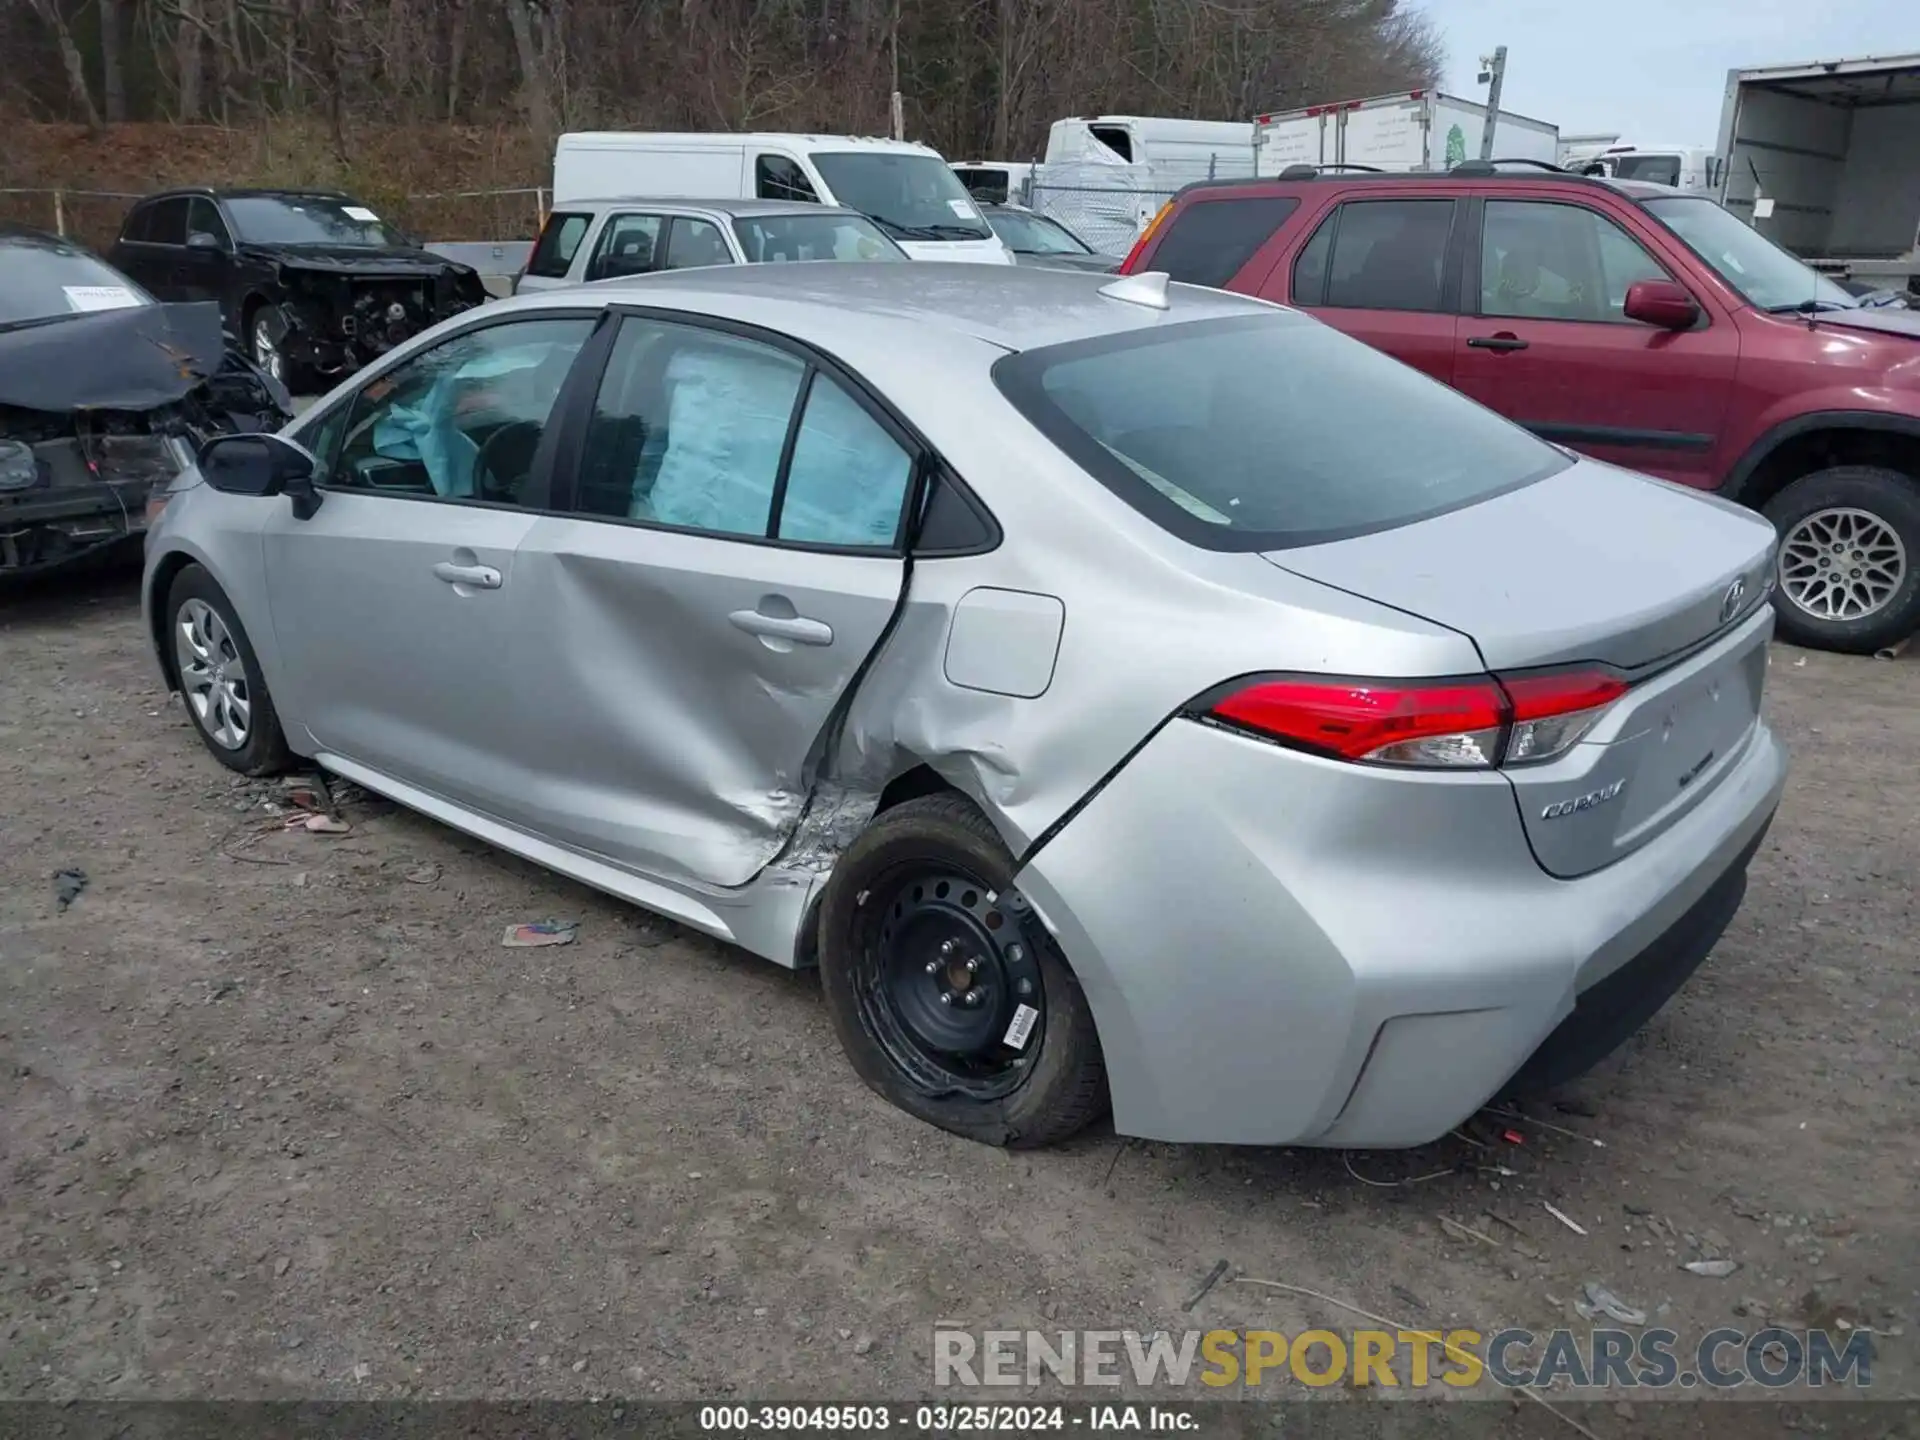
column 313, row 283
column 105, row 395
column 1037, row 239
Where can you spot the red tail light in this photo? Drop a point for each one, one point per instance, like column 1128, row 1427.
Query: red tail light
column 1476, row 722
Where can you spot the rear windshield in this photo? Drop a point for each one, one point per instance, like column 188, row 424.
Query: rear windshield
column 1268, row 431
column 912, row 197
column 816, row 236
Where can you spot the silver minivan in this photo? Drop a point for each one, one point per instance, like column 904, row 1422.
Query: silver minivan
column 604, row 239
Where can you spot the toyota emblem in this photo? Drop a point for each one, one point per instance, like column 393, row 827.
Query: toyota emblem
column 1731, row 602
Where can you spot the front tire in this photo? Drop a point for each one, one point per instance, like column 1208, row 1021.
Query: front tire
column 1849, row 568
column 219, row 677
column 922, row 907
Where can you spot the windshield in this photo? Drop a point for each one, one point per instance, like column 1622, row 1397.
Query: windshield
column 1035, row 234
column 42, row 278
column 1261, row 433
column 1760, row 270
column 308, row 220
column 813, row 237
column 911, row 197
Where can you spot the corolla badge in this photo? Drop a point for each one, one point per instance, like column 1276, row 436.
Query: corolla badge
column 1561, row 808
column 1733, row 600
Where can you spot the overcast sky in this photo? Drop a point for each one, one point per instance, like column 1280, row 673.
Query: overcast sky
column 1652, row 70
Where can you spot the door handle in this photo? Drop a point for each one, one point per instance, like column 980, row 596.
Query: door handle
column 480, row 577
column 799, row 629
column 1501, row 343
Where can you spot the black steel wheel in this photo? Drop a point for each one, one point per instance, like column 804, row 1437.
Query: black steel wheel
column 946, row 991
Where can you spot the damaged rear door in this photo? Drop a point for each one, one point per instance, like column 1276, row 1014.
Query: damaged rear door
column 728, row 559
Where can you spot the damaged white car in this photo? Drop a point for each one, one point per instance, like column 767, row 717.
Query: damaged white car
column 1125, row 693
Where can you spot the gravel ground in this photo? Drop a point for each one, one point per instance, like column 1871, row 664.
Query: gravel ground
column 284, row 1119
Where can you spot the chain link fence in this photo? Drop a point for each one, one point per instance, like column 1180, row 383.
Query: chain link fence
column 1108, row 218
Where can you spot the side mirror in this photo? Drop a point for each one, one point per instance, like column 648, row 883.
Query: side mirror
column 201, row 240
column 1661, row 303
column 262, row 465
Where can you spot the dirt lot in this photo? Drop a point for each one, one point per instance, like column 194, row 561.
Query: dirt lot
column 282, row 1117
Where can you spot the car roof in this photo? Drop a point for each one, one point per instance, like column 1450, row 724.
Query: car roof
column 893, row 307
column 244, row 192
column 1532, row 175
column 742, row 207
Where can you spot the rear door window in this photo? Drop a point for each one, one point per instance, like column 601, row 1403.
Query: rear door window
column 1264, row 432
column 1389, row 255
column 559, row 242
column 1208, row 242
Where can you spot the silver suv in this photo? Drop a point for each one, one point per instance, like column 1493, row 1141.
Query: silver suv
column 602, row 239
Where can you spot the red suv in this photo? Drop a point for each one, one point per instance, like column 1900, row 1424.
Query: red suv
column 1641, row 327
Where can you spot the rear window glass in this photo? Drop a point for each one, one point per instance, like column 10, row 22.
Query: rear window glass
column 1268, row 431
column 1209, row 241
column 559, row 241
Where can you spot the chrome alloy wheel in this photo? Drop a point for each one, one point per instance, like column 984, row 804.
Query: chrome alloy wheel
column 266, row 353
column 1842, row 564
column 212, row 675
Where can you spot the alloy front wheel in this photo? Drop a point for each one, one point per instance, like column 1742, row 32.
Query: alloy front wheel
column 266, row 348
column 212, row 676
column 219, row 677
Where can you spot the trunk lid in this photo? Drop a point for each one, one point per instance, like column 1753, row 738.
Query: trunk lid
column 1595, row 564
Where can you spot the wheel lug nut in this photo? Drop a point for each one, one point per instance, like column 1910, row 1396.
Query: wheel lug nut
column 933, row 967
column 973, row 997
column 945, row 998
column 946, row 947
column 973, row 964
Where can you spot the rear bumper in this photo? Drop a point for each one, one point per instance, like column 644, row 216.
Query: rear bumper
column 1284, row 950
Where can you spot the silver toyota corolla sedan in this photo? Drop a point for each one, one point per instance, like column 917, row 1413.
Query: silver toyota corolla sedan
column 1125, row 693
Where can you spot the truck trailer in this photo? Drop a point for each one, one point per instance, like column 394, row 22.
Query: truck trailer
column 1824, row 159
column 1412, row 130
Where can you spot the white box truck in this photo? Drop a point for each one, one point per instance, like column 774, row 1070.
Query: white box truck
column 1413, row 130
column 906, row 189
column 1824, row 159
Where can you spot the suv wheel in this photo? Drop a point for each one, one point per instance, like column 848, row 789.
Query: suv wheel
column 1849, row 566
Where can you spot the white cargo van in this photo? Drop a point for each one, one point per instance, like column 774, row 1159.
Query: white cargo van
column 1179, row 150
column 905, row 189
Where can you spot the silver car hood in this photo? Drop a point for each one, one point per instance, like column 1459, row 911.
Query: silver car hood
column 1592, row 563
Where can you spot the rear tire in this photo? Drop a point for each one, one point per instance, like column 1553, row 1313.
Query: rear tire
column 922, row 905
column 1848, row 576
column 219, row 677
